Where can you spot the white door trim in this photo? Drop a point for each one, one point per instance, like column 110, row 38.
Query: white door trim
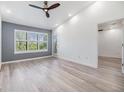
column 122, row 65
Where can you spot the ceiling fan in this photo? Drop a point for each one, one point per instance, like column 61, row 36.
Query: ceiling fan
column 46, row 8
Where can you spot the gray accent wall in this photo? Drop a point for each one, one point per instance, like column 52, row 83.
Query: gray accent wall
column 8, row 42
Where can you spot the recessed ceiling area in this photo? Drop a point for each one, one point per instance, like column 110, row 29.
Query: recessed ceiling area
column 20, row 13
column 111, row 25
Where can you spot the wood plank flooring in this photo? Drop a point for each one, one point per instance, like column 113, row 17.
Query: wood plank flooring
column 55, row 75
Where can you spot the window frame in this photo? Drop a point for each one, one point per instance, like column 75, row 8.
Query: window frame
column 29, row 51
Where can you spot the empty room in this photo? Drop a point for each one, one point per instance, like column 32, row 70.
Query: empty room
column 110, row 45
column 61, row 46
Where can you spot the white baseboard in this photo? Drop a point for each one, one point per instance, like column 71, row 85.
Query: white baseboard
column 75, row 61
column 61, row 57
column 28, row 59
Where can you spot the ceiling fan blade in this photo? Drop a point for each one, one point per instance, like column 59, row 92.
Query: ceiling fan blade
column 47, row 15
column 36, row 6
column 53, row 6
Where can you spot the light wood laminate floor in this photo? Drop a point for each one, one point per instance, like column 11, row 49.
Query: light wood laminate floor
column 52, row 74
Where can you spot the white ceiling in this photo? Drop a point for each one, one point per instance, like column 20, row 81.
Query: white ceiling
column 20, row 13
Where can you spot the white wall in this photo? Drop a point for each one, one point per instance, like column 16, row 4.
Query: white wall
column 77, row 38
column 110, row 43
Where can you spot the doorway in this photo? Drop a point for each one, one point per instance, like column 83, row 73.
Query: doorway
column 110, row 45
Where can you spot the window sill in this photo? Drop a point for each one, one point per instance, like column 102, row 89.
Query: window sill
column 24, row 52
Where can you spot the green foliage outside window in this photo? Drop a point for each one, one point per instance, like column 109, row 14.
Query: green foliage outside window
column 20, row 46
column 31, row 41
column 20, row 36
column 42, row 45
column 32, row 45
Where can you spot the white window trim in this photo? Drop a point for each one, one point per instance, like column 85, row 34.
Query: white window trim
column 29, row 51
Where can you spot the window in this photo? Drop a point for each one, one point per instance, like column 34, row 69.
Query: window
column 26, row 41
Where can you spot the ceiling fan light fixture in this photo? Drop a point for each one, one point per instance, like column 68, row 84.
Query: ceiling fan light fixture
column 45, row 10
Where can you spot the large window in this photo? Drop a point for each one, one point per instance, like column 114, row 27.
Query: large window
column 26, row 41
